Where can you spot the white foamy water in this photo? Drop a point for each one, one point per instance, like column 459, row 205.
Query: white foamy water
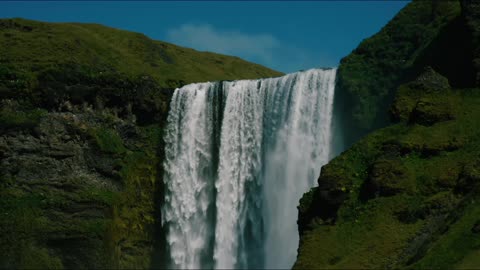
column 239, row 155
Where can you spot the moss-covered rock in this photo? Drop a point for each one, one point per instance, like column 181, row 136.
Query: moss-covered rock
column 425, row 101
column 417, row 37
column 413, row 186
column 428, row 112
column 61, row 210
column 388, row 177
column 411, row 192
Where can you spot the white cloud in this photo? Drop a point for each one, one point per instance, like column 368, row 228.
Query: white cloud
column 206, row 38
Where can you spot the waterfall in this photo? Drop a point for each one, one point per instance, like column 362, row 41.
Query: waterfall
column 238, row 157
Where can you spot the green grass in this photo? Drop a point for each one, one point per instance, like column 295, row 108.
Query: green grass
column 375, row 230
column 458, row 246
column 12, row 118
column 366, row 241
column 34, row 257
column 369, row 76
column 31, row 47
column 108, row 140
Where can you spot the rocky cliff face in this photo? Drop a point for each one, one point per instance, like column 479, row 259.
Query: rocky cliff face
column 77, row 190
column 406, row 196
column 419, row 35
column 81, row 146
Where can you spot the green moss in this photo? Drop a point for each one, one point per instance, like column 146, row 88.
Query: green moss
column 100, row 50
column 33, row 257
column 453, row 246
column 470, row 261
column 12, row 118
column 108, row 141
column 369, row 76
column 130, row 235
column 20, row 218
column 80, row 223
column 422, row 224
column 363, row 238
column 101, row 195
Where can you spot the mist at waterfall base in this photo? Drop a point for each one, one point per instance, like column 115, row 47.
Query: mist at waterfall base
column 239, row 155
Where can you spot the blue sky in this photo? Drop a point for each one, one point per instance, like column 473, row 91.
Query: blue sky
column 287, row 36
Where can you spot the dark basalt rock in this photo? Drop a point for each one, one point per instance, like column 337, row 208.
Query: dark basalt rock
column 331, row 192
column 323, row 201
column 476, row 227
column 430, row 81
column 471, row 13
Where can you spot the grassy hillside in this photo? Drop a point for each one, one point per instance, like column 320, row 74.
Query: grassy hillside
column 32, row 46
column 370, row 75
column 57, row 65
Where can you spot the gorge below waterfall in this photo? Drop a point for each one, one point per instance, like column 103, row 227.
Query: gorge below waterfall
column 238, row 157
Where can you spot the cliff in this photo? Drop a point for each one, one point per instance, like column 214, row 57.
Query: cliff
column 421, row 34
column 406, row 195
column 82, row 111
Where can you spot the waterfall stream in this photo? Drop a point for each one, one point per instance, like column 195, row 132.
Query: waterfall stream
column 238, row 157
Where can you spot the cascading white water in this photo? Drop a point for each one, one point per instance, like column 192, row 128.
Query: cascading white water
column 292, row 165
column 240, row 163
column 239, row 155
column 189, row 172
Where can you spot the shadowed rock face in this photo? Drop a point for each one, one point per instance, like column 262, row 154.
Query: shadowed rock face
column 471, row 13
column 476, row 227
column 65, row 184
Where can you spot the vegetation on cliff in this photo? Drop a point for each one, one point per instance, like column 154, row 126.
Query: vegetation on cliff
column 82, row 108
column 55, row 65
column 32, row 47
column 419, row 35
column 407, row 195
column 77, row 190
